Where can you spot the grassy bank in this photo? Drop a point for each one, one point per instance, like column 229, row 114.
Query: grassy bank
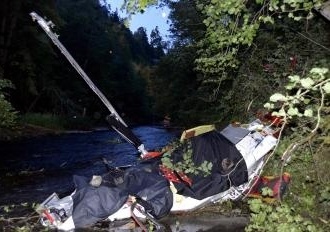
column 36, row 124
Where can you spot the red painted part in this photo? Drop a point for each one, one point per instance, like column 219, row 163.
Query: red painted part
column 48, row 216
column 152, row 154
column 173, row 176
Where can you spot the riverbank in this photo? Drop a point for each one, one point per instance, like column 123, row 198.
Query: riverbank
column 26, row 131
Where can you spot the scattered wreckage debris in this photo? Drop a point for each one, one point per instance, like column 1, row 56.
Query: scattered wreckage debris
column 145, row 193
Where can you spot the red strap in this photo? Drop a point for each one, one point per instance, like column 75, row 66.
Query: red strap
column 169, row 174
column 185, row 178
column 174, row 176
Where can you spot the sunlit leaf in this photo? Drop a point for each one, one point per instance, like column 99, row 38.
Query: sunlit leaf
column 294, row 78
column 307, row 101
column 290, row 86
column 308, row 113
column 326, row 87
column 280, row 113
column 307, row 83
column 269, row 105
column 320, row 71
column 277, row 97
column 292, row 111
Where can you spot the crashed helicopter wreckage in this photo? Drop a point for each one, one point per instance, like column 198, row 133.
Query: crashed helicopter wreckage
column 150, row 191
column 233, row 159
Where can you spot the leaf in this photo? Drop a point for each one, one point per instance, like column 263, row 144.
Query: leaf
column 268, row 19
column 307, row 101
column 320, row 71
column 267, row 192
column 269, row 105
column 255, row 205
column 308, row 113
column 277, row 97
column 280, row 113
column 293, row 111
column 307, row 83
column 290, row 86
column 326, row 87
column 294, row 78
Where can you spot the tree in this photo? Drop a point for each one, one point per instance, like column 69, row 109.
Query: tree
column 186, row 22
column 8, row 115
column 141, row 45
column 18, row 54
column 157, row 44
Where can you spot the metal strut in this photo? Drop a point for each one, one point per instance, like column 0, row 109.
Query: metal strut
column 47, row 27
column 116, row 122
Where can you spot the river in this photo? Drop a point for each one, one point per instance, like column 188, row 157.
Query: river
column 31, row 169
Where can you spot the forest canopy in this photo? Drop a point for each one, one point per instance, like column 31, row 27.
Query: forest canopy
column 117, row 60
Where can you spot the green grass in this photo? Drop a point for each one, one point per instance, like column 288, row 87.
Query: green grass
column 44, row 120
column 56, row 122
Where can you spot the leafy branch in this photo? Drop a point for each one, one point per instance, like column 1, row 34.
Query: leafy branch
column 234, row 24
column 302, row 92
column 186, row 165
column 26, row 222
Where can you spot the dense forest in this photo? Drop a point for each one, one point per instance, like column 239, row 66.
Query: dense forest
column 117, row 60
column 226, row 61
column 193, row 83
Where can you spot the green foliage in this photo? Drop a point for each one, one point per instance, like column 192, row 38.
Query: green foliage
column 308, row 192
column 223, row 36
column 234, row 89
column 231, row 28
column 44, row 120
column 267, row 192
column 304, row 107
column 299, row 101
column 186, row 164
column 325, row 195
column 8, row 116
column 173, row 86
column 133, row 6
column 57, row 122
column 265, row 217
column 186, row 23
column 20, row 218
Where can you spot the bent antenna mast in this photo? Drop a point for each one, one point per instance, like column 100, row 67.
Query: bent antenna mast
column 47, row 27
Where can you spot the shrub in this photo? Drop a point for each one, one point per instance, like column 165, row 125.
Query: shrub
column 8, row 115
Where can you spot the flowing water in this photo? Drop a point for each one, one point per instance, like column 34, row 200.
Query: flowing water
column 34, row 168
